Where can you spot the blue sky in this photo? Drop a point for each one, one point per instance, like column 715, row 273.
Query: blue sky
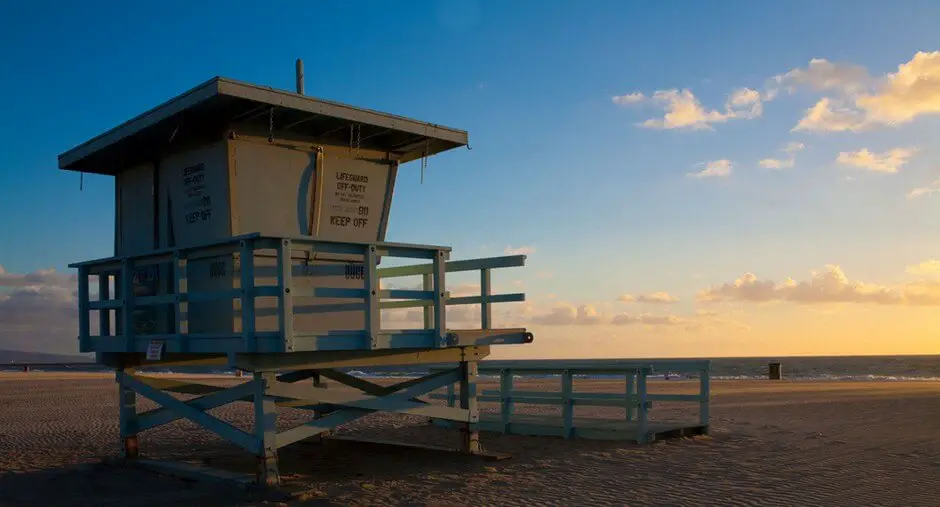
column 604, row 204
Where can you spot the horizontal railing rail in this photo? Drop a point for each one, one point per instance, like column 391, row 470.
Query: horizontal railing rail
column 635, row 399
column 291, row 253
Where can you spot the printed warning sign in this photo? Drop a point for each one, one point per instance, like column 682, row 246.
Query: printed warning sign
column 353, row 196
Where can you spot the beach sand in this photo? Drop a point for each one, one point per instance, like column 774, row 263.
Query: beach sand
column 772, row 443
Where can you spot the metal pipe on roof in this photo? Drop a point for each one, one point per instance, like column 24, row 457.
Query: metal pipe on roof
column 300, row 76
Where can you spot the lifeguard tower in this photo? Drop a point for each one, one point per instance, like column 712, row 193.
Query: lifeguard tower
column 249, row 228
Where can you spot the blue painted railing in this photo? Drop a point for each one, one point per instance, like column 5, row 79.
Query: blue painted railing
column 636, row 399
column 370, row 299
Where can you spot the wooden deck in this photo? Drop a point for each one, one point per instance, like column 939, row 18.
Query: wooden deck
column 589, row 428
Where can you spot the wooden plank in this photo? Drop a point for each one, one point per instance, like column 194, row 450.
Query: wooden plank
column 486, row 455
column 588, row 428
column 194, row 472
column 355, row 358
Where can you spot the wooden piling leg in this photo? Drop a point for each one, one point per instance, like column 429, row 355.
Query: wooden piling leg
column 468, row 400
column 128, row 418
column 265, row 431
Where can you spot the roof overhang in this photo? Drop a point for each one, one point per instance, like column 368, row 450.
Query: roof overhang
column 222, row 104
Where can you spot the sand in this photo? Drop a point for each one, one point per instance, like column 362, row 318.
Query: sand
column 772, row 443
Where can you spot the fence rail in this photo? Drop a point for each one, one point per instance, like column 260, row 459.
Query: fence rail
column 636, row 400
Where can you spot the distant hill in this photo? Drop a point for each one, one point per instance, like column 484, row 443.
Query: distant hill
column 16, row 356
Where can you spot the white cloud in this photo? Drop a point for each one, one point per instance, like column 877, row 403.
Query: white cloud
column 830, row 115
column 653, row 298
column 929, row 267
column 830, row 285
column 864, row 102
column 522, row 250
column 630, row 98
column 40, row 318
column 793, row 147
column 927, row 190
column 776, row 163
column 886, row 162
column 912, row 91
column 564, row 314
column 713, row 169
column 49, row 277
column 823, row 75
column 682, row 110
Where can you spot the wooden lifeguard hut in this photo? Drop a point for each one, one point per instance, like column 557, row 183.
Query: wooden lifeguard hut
column 250, row 223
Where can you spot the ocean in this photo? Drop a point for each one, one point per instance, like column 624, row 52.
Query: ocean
column 833, row 368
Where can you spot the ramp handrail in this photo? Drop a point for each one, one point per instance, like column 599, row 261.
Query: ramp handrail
column 636, row 400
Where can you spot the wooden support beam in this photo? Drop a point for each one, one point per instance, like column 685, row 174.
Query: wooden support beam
column 222, row 396
column 468, row 402
column 266, row 430
column 356, row 406
column 356, row 358
column 128, row 416
column 213, row 424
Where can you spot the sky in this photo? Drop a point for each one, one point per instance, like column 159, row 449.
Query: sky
column 688, row 179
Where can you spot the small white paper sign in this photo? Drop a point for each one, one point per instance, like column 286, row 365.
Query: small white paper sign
column 155, row 351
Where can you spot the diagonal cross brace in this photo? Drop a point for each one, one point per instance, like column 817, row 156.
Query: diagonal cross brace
column 360, row 405
column 371, row 387
column 213, row 424
column 222, row 396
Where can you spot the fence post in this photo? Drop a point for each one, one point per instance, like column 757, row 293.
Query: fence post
column 642, row 427
column 505, row 397
column 631, row 396
column 704, row 394
column 567, row 388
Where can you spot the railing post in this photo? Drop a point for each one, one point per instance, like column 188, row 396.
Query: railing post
column 705, row 394
column 486, row 315
column 127, row 313
column 373, row 315
column 440, row 312
column 427, row 284
column 285, row 306
column 505, row 398
column 567, row 391
column 631, row 396
column 84, row 314
column 104, row 294
column 179, row 272
column 642, row 426
column 248, row 295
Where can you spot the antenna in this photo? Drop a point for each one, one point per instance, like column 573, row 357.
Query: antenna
column 300, row 76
